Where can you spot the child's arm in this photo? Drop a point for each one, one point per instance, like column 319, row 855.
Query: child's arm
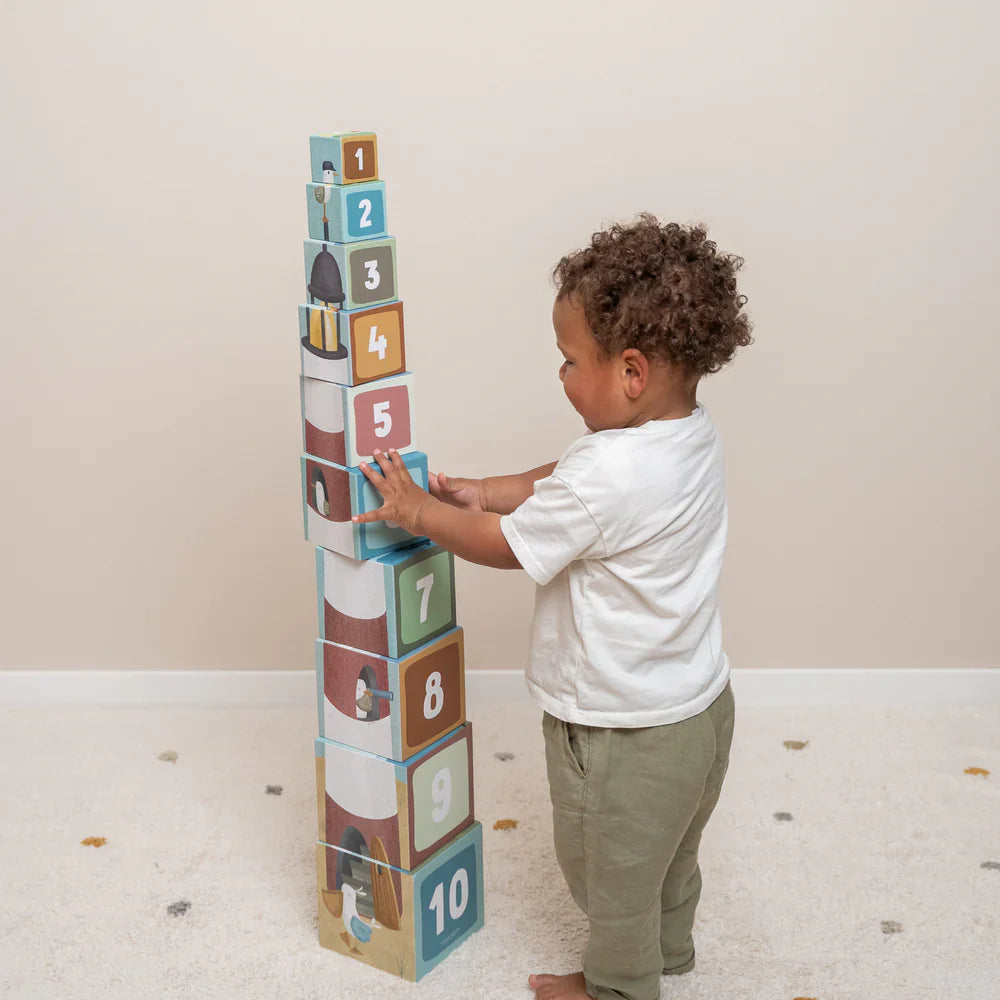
column 471, row 534
column 498, row 494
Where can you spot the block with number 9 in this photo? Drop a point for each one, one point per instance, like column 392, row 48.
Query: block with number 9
column 350, row 275
column 412, row 919
column 345, row 424
column 333, row 493
column 389, row 605
column 397, row 812
column 388, row 706
column 343, row 157
column 352, row 346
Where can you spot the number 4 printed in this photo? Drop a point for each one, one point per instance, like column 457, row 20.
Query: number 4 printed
column 377, row 343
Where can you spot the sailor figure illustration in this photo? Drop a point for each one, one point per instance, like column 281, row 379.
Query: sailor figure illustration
column 329, row 173
column 355, row 929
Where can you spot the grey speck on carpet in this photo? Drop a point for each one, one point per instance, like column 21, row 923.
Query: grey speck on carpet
column 204, row 890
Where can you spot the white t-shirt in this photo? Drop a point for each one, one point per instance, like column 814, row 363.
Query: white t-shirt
column 625, row 541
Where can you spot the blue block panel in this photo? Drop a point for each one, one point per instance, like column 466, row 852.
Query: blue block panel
column 345, row 214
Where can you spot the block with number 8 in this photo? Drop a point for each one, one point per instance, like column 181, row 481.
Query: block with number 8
column 350, row 275
column 343, row 157
column 345, row 424
column 389, row 605
column 388, row 706
column 403, row 922
column 396, row 812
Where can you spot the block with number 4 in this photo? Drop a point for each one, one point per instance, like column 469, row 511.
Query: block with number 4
column 403, row 922
column 351, row 275
column 396, row 812
column 387, row 706
column 342, row 214
column 352, row 346
column 332, row 494
column 389, row 605
column 343, row 157
column 345, row 424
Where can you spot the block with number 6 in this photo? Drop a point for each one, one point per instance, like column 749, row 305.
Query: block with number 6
column 351, row 275
column 403, row 922
column 389, row 605
column 351, row 346
column 387, row 706
column 396, row 812
column 345, row 423
column 333, row 493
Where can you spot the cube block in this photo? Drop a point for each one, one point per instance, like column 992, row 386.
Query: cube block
column 402, row 922
column 345, row 424
column 332, row 494
column 352, row 346
column 389, row 605
column 403, row 812
column 387, row 706
column 350, row 275
column 343, row 157
column 342, row 214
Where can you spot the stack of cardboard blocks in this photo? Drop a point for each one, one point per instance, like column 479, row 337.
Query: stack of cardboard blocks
column 399, row 854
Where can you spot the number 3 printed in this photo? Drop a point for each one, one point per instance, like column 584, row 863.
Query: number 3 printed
column 374, row 279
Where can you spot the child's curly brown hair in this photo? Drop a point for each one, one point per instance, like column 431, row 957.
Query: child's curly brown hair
column 663, row 290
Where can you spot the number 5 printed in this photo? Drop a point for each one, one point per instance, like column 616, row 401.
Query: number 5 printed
column 383, row 420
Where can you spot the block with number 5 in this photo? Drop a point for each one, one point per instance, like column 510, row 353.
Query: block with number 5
column 388, row 706
column 396, row 812
column 345, row 423
column 351, row 346
column 351, row 275
column 403, row 922
column 389, row 605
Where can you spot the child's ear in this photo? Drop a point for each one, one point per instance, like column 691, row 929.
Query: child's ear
column 635, row 372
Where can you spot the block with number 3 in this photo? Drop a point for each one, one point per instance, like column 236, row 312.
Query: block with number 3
column 388, row 706
column 345, row 424
column 388, row 605
column 396, row 812
column 350, row 275
column 403, row 922
column 352, row 346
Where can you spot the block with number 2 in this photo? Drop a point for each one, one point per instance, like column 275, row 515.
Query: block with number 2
column 345, row 424
column 387, row 706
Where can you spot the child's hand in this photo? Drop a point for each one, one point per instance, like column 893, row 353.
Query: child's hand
column 466, row 494
column 402, row 497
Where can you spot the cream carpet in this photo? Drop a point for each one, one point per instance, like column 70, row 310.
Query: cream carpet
column 884, row 882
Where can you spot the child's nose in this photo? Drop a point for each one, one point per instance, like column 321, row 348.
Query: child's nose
column 562, row 372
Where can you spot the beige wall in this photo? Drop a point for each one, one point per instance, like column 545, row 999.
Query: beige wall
column 153, row 183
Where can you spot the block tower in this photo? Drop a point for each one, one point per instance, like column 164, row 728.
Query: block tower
column 399, row 858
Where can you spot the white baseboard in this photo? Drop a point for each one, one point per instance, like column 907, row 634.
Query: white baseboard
column 44, row 688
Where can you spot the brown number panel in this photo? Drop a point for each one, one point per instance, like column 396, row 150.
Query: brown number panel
column 418, row 730
column 368, row 169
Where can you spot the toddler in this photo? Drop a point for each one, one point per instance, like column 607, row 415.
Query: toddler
column 624, row 537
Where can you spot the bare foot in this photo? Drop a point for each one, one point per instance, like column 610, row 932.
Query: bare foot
column 560, row 987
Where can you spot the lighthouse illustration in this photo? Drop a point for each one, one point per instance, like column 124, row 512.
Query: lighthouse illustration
column 399, row 854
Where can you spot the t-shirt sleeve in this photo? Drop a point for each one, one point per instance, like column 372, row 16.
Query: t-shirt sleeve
column 551, row 529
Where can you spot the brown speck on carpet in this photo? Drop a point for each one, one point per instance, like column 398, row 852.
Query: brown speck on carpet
column 179, row 908
column 94, row 841
column 505, row 824
column 273, row 790
column 504, row 755
column 168, row 755
column 783, row 817
column 795, row 744
column 891, row 927
column 978, row 770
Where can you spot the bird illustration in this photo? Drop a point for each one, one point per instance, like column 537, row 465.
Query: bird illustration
column 355, row 929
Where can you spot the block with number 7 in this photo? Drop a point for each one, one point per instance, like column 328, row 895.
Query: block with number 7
column 345, row 423
column 388, row 605
column 387, row 706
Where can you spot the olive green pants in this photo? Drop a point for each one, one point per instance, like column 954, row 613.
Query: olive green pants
column 628, row 810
